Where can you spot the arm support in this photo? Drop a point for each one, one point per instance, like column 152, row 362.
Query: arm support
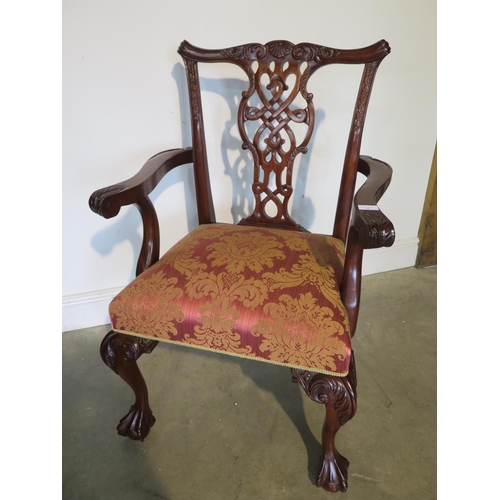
column 109, row 200
column 375, row 230
column 370, row 228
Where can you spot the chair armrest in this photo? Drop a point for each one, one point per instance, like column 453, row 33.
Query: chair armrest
column 374, row 228
column 109, row 200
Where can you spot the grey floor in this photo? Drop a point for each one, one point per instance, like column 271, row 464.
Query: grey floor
column 236, row 429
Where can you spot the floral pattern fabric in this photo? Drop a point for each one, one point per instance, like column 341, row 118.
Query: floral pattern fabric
column 270, row 294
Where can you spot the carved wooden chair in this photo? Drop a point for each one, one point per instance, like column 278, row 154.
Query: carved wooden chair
column 265, row 288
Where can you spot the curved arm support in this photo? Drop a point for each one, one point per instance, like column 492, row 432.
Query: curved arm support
column 109, row 200
column 350, row 286
column 150, row 250
column 370, row 228
column 375, row 230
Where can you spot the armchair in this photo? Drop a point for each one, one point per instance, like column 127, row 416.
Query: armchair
column 264, row 288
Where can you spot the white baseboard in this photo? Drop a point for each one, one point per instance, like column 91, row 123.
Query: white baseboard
column 90, row 309
column 402, row 254
column 85, row 310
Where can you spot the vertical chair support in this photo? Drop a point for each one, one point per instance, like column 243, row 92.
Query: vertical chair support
column 338, row 394
column 150, row 250
column 348, row 181
column 120, row 352
column 350, row 287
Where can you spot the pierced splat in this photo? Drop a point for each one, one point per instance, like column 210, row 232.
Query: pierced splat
column 282, row 120
column 274, row 146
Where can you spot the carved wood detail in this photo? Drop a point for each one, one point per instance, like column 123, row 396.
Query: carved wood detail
column 348, row 181
column 281, row 49
column 192, row 81
column 120, row 352
column 364, row 94
column 129, row 347
column 375, row 230
column 104, row 207
column 338, row 394
column 274, row 145
column 278, row 74
column 204, row 200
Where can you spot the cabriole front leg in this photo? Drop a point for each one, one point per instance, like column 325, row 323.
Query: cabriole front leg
column 338, row 394
column 120, row 352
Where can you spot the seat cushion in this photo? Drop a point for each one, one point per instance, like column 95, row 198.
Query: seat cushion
column 268, row 294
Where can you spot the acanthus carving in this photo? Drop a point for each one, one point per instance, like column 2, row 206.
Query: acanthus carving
column 366, row 85
column 120, row 352
column 338, row 394
column 375, row 230
column 303, row 86
column 102, row 203
column 281, row 49
column 192, row 77
column 250, row 51
column 128, row 347
column 308, row 52
column 340, row 391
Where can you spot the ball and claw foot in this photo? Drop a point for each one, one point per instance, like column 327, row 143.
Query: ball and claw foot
column 136, row 424
column 120, row 352
column 338, row 394
column 333, row 474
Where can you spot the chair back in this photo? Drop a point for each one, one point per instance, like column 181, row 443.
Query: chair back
column 276, row 121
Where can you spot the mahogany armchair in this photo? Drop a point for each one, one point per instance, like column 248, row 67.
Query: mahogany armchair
column 264, row 288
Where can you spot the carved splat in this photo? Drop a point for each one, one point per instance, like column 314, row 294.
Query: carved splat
column 276, row 116
column 274, row 145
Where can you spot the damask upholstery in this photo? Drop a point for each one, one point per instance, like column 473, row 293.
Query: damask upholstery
column 266, row 293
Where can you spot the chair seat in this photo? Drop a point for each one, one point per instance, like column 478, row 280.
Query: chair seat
column 268, row 294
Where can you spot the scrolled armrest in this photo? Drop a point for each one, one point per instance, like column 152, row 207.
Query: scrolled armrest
column 109, row 200
column 375, row 230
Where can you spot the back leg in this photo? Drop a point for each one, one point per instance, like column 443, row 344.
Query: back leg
column 120, row 352
column 338, row 394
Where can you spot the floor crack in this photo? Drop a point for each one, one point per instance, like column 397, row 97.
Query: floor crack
column 383, row 392
column 365, row 478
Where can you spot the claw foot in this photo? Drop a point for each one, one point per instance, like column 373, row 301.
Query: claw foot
column 333, row 474
column 137, row 423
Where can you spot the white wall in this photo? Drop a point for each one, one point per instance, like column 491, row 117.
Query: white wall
column 124, row 100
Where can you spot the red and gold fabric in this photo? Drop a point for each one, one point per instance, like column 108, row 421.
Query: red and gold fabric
column 269, row 294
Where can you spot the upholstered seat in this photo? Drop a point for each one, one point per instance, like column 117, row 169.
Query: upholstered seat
column 271, row 294
column 264, row 289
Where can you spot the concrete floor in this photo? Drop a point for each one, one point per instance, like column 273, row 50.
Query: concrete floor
column 228, row 428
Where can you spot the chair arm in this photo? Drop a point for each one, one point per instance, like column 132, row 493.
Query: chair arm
column 374, row 228
column 109, row 200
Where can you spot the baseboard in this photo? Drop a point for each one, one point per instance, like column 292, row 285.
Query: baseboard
column 86, row 310
column 402, row 254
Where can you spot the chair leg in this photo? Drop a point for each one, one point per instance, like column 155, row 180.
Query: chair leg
column 338, row 394
column 120, row 352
